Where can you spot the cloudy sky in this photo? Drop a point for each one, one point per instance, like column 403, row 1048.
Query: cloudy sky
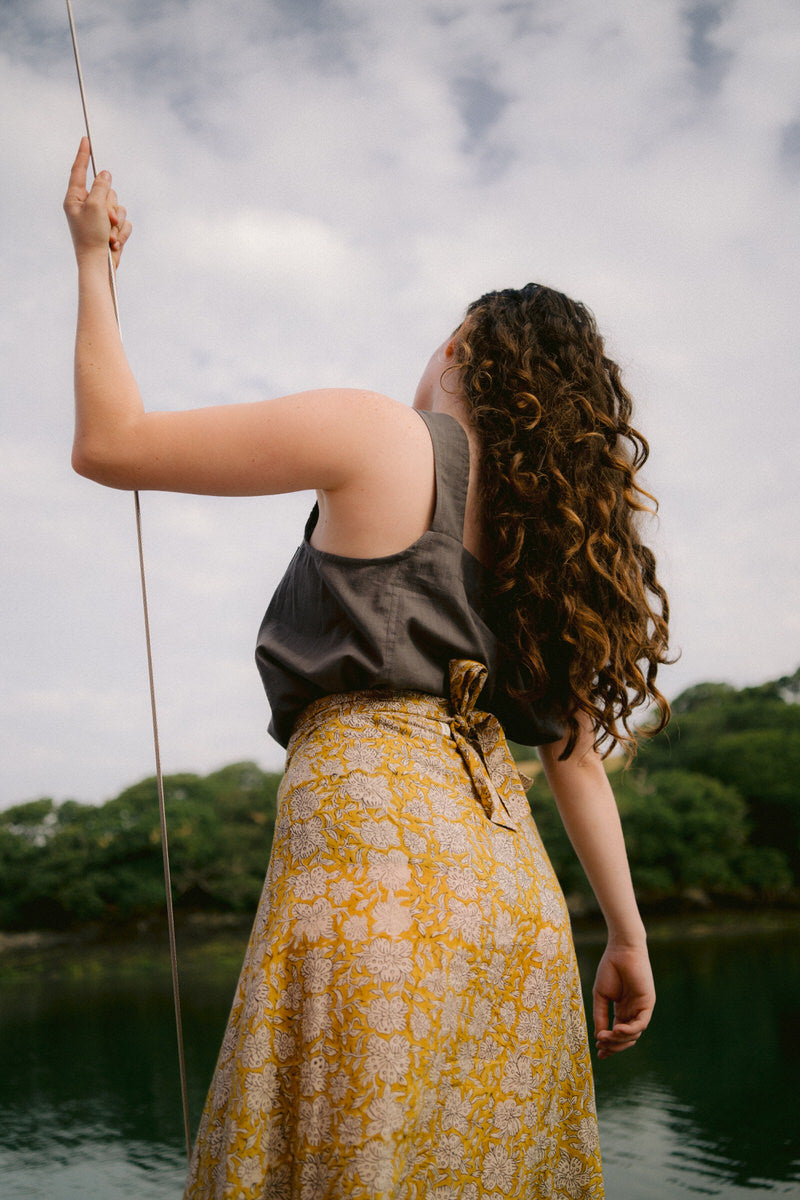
column 318, row 187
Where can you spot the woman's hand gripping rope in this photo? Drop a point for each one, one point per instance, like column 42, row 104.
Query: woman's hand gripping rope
column 97, row 221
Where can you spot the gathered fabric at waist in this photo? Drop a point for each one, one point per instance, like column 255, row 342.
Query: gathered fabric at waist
column 416, row 707
column 477, row 736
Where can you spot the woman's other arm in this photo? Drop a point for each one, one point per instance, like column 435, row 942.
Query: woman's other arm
column 589, row 812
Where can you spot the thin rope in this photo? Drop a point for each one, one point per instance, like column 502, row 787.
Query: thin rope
column 162, row 808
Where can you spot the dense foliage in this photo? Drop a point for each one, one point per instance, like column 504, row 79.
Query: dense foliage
column 68, row 863
column 711, row 810
column 710, row 806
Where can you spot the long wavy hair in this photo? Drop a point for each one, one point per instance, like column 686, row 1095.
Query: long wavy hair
column 575, row 592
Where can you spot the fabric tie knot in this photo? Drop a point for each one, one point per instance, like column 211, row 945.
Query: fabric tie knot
column 480, row 741
column 462, row 725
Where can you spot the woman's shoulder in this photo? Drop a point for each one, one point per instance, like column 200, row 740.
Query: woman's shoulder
column 368, row 427
column 372, row 411
column 386, row 497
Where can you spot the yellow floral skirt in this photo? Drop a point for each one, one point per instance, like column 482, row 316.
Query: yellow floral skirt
column 408, row 1023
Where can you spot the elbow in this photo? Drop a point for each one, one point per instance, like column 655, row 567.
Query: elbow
column 101, row 466
column 82, row 462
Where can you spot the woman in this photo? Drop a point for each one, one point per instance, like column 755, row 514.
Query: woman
column 408, row 1021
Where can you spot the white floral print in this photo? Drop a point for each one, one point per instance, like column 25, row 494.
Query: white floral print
column 408, row 1024
column 305, row 837
column 570, row 1176
column 313, row 921
column 310, row 882
column 507, row 1118
column 456, row 1112
column 317, row 969
column 547, row 943
column 315, row 1018
column 304, row 803
column 498, row 1170
column 262, row 1087
column 350, row 1129
column 385, row 1117
column 374, row 1167
column 379, row 834
column 465, row 919
column 391, row 916
column 462, row 882
column 387, row 960
column 315, row 1118
column 420, row 1022
column 355, row 928
column 391, row 869
column 449, row 1152
column 387, row 1014
column 312, row 1074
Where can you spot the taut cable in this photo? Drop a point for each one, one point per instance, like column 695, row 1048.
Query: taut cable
column 162, row 810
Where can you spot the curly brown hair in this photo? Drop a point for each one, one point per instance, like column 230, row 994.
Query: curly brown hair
column 574, row 587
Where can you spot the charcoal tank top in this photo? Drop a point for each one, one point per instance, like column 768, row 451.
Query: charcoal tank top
column 338, row 624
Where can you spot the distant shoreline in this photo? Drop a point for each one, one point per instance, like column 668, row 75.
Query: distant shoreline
column 197, row 929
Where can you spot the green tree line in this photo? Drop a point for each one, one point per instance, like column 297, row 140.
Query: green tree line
column 710, row 808
column 73, row 863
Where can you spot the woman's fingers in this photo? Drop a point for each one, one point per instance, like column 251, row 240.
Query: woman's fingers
column 607, row 1048
column 118, row 239
column 96, row 218
column 633, row 1028
column 78, row 202
column 624, row 985
column 120, row 228
column 116, row 216
column 77, row 176
column 621, row 1036
column 600, row 1014
column 76, row 188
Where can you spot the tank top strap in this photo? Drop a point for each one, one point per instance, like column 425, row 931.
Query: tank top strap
column 451, row 465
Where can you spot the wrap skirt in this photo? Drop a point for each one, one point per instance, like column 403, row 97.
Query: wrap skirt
column 408, row 1023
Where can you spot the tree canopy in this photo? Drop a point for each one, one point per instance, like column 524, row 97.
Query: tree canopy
column 68, row 863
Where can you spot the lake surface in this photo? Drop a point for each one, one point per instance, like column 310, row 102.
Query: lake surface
column 708, row 1104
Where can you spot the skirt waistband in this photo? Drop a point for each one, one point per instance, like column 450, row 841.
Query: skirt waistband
column 368, row 702
column 478, row 736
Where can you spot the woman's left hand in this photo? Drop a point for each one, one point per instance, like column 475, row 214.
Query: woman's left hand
column 97, row 221
column 624, row 981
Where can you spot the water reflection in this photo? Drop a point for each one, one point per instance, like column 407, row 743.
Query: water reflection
column 712, row 1087
column 88, row 1098
column 706, row 1105
column 654, row 1151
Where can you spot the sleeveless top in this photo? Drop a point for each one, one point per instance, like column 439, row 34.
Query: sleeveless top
column 338, row 624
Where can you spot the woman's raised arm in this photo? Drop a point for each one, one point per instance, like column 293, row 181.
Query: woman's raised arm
column 320, row 440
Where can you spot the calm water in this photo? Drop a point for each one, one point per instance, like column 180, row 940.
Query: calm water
column 707, row 1105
